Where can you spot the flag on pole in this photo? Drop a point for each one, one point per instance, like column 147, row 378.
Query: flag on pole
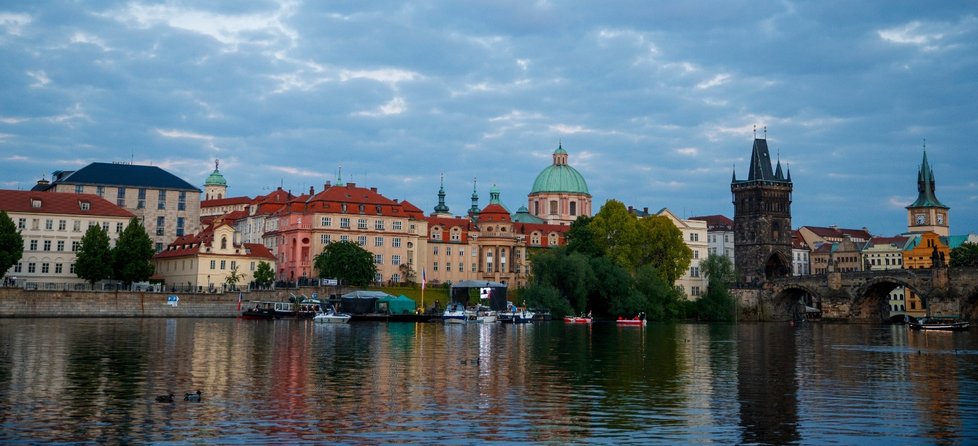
column 424, row 279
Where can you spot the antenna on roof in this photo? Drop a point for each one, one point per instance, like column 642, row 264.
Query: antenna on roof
column 765, row 133
column 925, row 144
column 755, row 131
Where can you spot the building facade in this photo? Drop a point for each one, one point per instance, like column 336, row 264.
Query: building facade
column 762, row 219
column 719, row 234
column 52, row 225
column 205, row 261
column 693, row 282
column 167, row 206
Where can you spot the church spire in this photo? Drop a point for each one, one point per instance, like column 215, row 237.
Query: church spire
column 441, row 208
column 474, row 210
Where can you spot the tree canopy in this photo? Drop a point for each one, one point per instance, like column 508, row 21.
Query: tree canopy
column 93, row 261
column 614, row 264
column 264, row 274
column 11, row 243
column 131, row 257
column 346, row 262
column 965, row 255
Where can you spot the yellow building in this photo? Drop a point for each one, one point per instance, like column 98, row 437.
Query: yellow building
column 205, row 261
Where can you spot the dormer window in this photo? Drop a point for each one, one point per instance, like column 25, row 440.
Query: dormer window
column 35, row 203
column 83, row 205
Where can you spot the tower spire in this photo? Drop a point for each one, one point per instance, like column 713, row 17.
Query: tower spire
column 441, row 208
column 474, row 210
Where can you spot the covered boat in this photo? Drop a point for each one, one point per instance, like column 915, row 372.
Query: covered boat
column 938, row 323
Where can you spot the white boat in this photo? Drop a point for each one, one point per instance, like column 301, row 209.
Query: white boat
column 455, row 314
column 938, row 323
column 482, row 314
column 330, row 316
column 516, row 316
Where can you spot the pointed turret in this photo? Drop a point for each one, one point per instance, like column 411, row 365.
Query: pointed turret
column 778, row 175
column 926, row 188
column 441, row 208
column 474, row 210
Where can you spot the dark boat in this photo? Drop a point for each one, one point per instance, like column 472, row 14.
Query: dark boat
column 304, row 309
column 938, row 323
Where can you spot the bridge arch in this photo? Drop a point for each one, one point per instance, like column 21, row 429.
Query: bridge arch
column 794, row 301
column 871, row 300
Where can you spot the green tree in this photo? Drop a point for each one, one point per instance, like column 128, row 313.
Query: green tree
column 131, row 257
column 570, row 274
column 264, row 274
column 581, row 238
column 962, row 256
column 718, row 269
column 11, row 243
column 93, row 261
column 615, row 233
column 546, row 296
column 347, row 262
column 660, row 244
column 233, row 278
column 717, row 304
column 664, row 301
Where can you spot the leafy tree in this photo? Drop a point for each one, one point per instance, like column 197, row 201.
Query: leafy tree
column 962, row 256
column 93, row 261
column 264, row 274
column 717, row 304
column 347, row 262
column 615, row 233
column 660, row 244
column 407, row 273
column 664, row 300
column 581, row 238
column 569, row 274
column 233, row 278
column 11, row 243
column 133, row 253
column 718, row 269
column 546, row 296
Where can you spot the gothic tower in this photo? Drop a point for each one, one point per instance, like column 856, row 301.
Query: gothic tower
column 762, row 219
column 441, row 209
column 927, row 214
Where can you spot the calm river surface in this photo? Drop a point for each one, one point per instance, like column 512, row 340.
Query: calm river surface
column 94, row 381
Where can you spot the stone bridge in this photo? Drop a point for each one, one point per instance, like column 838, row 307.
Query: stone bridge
column 861, row 296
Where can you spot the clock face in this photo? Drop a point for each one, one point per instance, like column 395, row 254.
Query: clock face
column 940, row 219
column 921, row 219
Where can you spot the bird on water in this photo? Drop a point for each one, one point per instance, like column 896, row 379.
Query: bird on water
column 164, row 398
column 192, row 396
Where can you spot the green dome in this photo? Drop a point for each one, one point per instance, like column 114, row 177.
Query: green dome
column 215, row 179
column 560, row 177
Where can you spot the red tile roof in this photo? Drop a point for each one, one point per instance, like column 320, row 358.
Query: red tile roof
column 59, row 203
column 190, row 245
column 716, row 222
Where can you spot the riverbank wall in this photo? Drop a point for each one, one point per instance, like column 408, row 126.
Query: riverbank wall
column 17, row 302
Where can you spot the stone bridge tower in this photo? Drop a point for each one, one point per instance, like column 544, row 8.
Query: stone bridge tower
column 762, row 219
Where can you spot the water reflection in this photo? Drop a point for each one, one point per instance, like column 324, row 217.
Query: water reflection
column 295, row 381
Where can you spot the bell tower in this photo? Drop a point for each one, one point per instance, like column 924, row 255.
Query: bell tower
column 762, row 218
column 927, row 214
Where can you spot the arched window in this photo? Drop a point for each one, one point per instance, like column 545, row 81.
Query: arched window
column 224, row 243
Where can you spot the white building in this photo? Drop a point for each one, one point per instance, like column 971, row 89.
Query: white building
column 52, row 225
column 695, row 232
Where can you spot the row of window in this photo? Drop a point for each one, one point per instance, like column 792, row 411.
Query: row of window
column 713, row 238
column 224, row 264
column 45, row 268
column 120, row 197
column 76, row 225
column 46, row 245
column 362, row 223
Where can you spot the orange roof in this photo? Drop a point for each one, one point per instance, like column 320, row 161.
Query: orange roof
column 59, row 203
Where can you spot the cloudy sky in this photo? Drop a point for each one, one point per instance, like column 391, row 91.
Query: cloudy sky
column 656, row 102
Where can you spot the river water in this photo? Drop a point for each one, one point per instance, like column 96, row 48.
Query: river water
column 94, row 381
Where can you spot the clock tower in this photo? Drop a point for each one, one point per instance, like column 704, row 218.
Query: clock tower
column 927, row 214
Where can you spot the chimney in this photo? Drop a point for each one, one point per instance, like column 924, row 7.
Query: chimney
column 311, row 190
column 646, row 210
column 351, row 185
column 629, row 209
column 327, row 185
column 373, row 189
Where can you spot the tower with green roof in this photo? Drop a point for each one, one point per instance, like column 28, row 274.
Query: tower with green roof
column 215, row 186
column 559, row 193
column 927, row 213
